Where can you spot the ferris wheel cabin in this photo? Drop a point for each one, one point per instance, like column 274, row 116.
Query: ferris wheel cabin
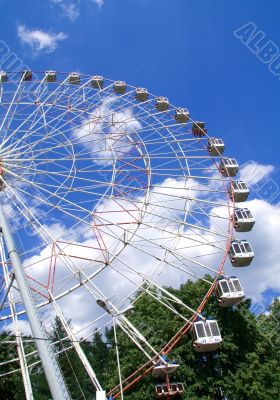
column 74, row 78
column 243, row 220
column 3, row 76
column 206, row 335
column 229, row 291
column 141, row 94
column 240, row 253
column 50, row 76
column 228, row 166
column 182, row 115
column 238, row 191
column 198, row 129
column 119, row 87
column 162, row 104
column 215, row 146
column 163, row 369
column 174, row 390
column 97, row 82
column 26, row 76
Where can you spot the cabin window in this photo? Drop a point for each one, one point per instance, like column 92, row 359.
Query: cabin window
column 214, row 328
column 224, row 286
column 236, row 248
column 200, row 330
column 249, row 214
column 247, row 247
column 239, row 215
column 237, row 285
column 158, row 389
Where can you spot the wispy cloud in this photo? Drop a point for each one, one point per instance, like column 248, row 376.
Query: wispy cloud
column 99, row 3
column 39, row 41
column 252, row 172
column 69, row 9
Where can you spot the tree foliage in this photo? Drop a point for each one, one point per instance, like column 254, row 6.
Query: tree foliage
column 245, row 367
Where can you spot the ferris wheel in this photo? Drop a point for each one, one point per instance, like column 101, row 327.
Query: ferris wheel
column 109, row 193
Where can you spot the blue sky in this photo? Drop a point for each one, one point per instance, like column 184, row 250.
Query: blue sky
column 185, row 50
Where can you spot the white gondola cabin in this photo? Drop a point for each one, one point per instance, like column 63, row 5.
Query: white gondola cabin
column 238, row 191
column 141, row 94
column 50, row 76
column 228, row 166
column 97, row 82
column 182, row 115
column 240, row 253
column 198, row 129
column 206, row 335
column 119, row 87
column 74, row 78
column 162, row 104
column 165, row 390
column 243, row 220
column 229, row 291
column 215, row 146
column 3, row 76
column 26, row 76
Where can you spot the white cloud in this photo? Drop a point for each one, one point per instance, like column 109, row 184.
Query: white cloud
column 23, row 326
column 111, row 282
column 39, row 41
column 106, row 133
column 99, row 3
column 257, row 278
column 158, row 231
column 252, row 172
column 264, row 272
column 69, row 9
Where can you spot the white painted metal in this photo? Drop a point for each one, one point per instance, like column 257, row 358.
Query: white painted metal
column 76, row 345
column 20, row 348
column 101, row 395
column 50, row 364
column 118, row 358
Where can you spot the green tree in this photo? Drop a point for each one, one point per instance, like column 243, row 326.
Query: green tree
column 246, row 366
column 11, row 386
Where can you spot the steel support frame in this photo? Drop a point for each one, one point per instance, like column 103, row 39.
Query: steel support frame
column 50, row 364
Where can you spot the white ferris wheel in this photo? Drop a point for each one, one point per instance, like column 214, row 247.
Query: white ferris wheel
column 108, row 192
